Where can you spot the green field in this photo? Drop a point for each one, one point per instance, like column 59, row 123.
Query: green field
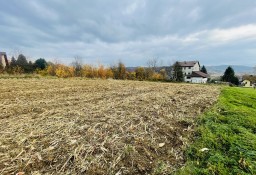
column 225, row 139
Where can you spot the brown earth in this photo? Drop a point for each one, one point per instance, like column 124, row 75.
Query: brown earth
column 78, row 126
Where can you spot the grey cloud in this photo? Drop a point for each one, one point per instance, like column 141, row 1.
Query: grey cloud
column 131, row 30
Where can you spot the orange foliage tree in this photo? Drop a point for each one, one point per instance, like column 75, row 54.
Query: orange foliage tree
column 63, row 71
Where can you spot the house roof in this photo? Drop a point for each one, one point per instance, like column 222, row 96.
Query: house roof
column 199, row 74
column 188, row 63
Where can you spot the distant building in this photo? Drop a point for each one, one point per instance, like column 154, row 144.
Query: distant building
column 3, row 59
column 198, row 77
column 192, row 73
column 247, row 83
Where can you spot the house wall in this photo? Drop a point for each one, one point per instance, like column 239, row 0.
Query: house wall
column 247, row 83
column 196, row 67
column 187, row 80
column 188, row 71
column 3, row 60
column 198, row 80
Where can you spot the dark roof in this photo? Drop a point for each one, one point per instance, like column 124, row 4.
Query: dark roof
column 199, row 74
column 188, row 63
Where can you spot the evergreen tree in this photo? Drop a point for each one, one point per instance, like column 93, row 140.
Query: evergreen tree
column 177, row 73
column 13, row 62
column 40, row 64
column 29, row 68
column 22, row 61
column 229, row 76
column 203, row 69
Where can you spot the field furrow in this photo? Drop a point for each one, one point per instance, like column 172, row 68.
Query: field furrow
column 78, row 126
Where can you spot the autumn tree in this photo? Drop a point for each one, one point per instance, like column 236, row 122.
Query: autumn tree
column 89, row 71
column 163, row 74
column 131, row 75
column 102, row 72
column 140, row 73
column 63, row 71
column 109, row 73
column 119, row 71
column 51, row 68
column 156, row 77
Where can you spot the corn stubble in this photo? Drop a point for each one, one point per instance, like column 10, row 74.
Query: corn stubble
column 78, row 126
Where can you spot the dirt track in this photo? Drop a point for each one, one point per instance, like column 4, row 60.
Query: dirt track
column 77, row 126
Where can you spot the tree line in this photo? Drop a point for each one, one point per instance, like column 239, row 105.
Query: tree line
column 118, row 71
column 77, row 69
column 21, row 65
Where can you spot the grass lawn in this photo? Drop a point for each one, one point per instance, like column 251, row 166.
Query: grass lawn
column 225, row 139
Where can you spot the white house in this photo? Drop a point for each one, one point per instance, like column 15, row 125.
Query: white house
column 3, row 59
column 198, row 77
column 192, row 73
column 247, row 83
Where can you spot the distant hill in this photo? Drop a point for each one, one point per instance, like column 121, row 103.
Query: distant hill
column 239, row 70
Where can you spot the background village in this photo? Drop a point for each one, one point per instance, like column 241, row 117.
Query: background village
column 184, row 71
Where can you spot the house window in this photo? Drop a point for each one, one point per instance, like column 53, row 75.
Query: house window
column 189, row 67
column 188, row 77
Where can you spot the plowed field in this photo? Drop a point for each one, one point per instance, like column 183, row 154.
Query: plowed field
column 78, row 126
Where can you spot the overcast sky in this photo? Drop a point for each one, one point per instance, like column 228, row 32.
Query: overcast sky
column 214, row 32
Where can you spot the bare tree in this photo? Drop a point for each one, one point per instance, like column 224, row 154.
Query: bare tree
column 78, row 63
column 153, row 63
column 254, row 70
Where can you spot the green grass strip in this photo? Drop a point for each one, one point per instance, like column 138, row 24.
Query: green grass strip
column 225, row 139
